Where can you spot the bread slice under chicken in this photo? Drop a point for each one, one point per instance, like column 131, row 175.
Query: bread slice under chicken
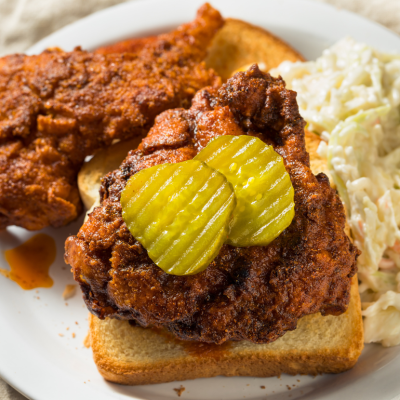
column 135, row 356
column 138, row 356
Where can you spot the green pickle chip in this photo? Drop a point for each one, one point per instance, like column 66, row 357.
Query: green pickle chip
column 180, row 213
column 264, row 192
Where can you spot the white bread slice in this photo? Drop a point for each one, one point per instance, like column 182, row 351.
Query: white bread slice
column 136, row 356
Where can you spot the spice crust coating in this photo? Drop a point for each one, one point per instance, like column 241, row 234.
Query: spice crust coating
column 254, row 293
column 56, row 108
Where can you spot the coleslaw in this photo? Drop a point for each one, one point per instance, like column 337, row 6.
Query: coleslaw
column 350, row 96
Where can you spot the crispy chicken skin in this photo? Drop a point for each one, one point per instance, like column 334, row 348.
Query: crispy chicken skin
column 56, row 108
column 254, row 293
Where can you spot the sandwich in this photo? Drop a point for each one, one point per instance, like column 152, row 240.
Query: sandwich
column 291, row 306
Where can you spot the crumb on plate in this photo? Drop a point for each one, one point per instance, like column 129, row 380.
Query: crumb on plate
column 69, row 291
column 179, row 390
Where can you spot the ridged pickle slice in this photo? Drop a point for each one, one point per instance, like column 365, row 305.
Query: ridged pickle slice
column 180, row 213
column 264, row 192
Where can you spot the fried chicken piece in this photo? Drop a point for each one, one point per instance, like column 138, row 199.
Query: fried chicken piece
column 254, row 293
column 56, row 108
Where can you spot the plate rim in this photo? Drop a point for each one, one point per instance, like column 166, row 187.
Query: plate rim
column 15, row 382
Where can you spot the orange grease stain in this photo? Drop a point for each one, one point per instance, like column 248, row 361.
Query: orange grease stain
column 198, row 349
column 30, row 262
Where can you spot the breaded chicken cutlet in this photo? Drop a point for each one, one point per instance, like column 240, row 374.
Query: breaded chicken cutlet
column 56, row 108
column 254, row 293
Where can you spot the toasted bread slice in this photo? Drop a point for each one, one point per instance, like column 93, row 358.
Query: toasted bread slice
column 136, row 356
column 240, row 44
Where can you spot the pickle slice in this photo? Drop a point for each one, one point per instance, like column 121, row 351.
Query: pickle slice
column 264, row 192
column 180, row 213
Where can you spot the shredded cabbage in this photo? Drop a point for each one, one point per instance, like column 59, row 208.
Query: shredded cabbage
column 351, row 97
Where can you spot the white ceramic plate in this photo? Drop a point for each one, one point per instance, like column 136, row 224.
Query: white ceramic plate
column 45, row 366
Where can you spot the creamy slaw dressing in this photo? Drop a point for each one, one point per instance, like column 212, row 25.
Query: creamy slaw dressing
column 351, row 97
